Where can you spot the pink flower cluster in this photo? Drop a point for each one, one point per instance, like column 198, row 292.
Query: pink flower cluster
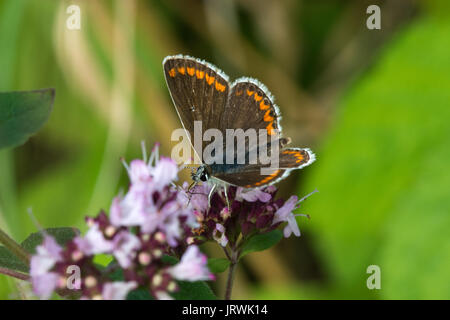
column 248, row 212
column 152, row 219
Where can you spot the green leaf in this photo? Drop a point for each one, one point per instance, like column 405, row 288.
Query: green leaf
column 261, row 242
column 140, row 294
column 218, row 265
column 61, row 235
column 10, row 261
column 22, row 114
column 198, row 290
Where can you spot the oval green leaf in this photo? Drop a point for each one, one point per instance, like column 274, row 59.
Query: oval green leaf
column 22, row 114
column 261, row 242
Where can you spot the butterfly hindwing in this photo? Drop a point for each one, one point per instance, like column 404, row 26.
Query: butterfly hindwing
column 251, row 179
column 250, row 175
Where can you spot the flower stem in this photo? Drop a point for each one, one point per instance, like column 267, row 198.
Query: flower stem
column 230, row 279
column 14, row 247
column 15, row 274
column 235, row 253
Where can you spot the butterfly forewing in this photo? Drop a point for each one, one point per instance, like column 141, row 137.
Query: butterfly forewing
column 199, row 91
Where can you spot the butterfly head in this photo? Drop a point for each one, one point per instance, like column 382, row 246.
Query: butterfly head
column 201, row 174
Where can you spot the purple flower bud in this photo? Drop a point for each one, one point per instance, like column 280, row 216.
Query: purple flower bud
column 219, row 235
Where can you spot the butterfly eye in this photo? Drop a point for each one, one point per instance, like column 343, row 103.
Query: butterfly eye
column 204, row 176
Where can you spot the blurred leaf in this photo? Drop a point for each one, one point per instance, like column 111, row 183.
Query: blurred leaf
column 10, row 261
column 22, row 114
column 218, row 265
column 415, row 261
column 262, row 242
column 140, row 294
column 61, row 235
column 383, row 170
column 198, row 290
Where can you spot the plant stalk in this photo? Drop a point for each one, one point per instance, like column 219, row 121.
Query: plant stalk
column 235, row 253
column 15, row 274
column 14, row 247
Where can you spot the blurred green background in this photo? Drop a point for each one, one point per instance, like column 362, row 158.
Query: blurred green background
column 373, row 104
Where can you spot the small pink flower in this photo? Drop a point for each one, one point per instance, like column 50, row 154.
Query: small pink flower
column 117, row 290
column 45, row 284
column 252, row 195
column 164, row 172
column 139, row 172
column 94, row 242
column 47, row 255
column 125, row 246
column 192, row 267
column 284, row 214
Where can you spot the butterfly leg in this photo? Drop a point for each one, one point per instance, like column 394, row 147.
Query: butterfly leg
column 211, row 193
column 226, row 197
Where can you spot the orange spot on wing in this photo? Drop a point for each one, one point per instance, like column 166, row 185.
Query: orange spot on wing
column 220, row 87
column 257, row 98
column 268, row 178
column 209, row 79
column 267, row 117
column 182, row 70
column 200, row 74
column 249, row 93
column 270, row 129
column 263, row 106
column 172, row 72
column 190, row 71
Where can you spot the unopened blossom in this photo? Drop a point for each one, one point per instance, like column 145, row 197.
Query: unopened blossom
column 219, row 235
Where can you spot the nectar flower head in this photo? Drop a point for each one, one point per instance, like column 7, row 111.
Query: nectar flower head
column 153, row 219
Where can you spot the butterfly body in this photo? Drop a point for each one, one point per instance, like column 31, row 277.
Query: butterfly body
column 203, row 94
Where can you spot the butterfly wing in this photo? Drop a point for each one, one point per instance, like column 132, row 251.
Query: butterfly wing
column 199, row 91
column 250, row 105
column 250, row 176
